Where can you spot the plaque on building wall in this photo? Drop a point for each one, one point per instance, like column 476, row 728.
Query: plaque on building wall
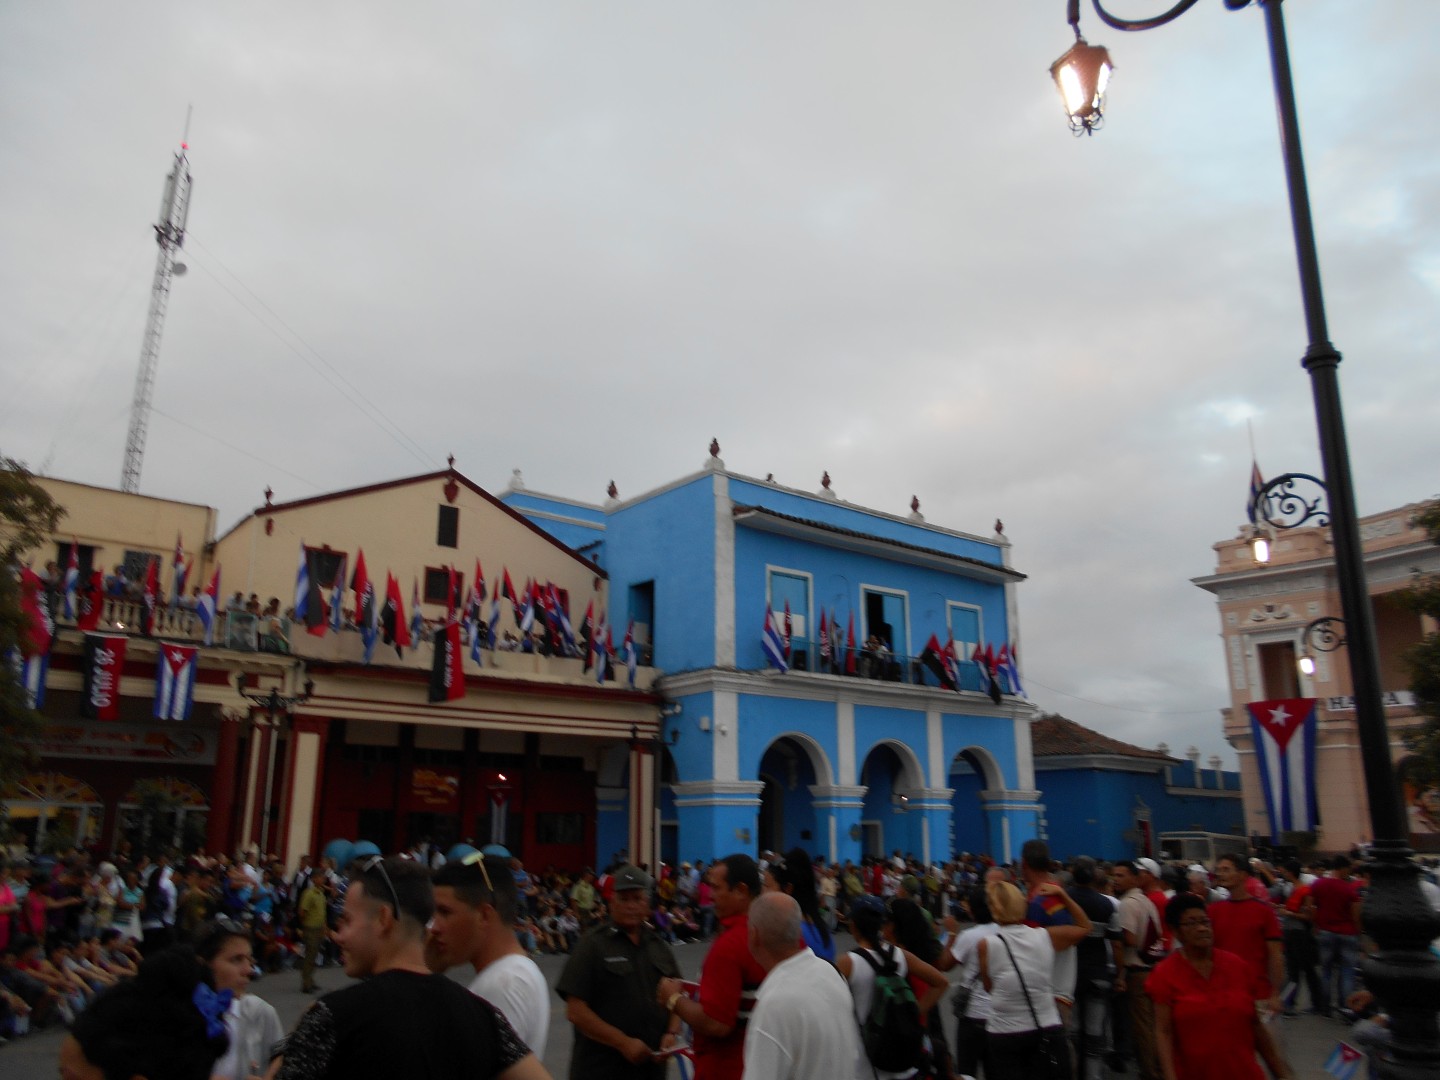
column 1391, row 699
column 436, row 789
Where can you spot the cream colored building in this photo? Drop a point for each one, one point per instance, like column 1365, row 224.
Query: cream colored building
column 532, row 754
column 1264, row 612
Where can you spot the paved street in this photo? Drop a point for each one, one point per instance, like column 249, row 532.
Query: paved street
column 1308, row 1040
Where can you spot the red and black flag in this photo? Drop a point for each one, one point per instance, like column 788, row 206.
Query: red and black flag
column 447, row 675
column 935, row 662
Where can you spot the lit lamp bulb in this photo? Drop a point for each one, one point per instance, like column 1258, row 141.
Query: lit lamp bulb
column 1307, row 665
column 1260, row 547
column 1081, row 76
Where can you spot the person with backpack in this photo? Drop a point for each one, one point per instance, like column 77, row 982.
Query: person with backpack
column 892, row 1038
column 1024, row 1036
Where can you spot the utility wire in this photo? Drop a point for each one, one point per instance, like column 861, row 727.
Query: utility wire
column 332, row 374
column 231, row 446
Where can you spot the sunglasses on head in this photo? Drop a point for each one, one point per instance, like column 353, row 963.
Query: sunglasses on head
column 477, row 858
column 377, row 862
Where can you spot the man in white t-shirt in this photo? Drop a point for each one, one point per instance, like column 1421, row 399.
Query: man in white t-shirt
column 476, row 906
column 802, row 1027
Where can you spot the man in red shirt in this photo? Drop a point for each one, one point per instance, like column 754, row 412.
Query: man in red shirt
column 728, row 979
column 1337, row 925
column 1248, row 928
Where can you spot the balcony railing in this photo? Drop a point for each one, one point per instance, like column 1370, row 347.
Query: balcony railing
column 242, row 631
column 885, row 666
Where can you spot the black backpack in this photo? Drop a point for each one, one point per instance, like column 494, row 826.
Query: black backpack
column 891, row 1033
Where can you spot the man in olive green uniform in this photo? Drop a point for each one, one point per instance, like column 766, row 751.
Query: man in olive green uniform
column 312, row 929
column 609, row 988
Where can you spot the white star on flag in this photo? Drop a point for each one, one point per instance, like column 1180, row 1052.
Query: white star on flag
column 1279, row 716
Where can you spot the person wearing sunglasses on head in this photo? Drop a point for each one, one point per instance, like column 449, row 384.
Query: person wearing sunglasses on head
column 476, row 907
column 401, row 1019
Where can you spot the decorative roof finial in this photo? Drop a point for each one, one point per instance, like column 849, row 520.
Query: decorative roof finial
column 825, row 480
column 915, row 503
column 714, row 447
column 450, row 461
column 268, row 494
column 999, row 526
column 612, row 490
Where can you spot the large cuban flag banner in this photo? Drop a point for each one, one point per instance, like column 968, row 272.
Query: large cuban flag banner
column 1284, row 732
column 175, row 682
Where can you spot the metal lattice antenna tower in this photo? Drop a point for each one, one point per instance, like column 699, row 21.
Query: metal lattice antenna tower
column 170, row 236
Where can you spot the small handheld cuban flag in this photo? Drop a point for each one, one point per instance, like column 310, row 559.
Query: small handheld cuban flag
column 175, row 681
column 302, row 586
column 1284, row 735
column 1344, row 1062
column 771, row 643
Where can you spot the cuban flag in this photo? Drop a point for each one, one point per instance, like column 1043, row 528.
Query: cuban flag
column 527, row 610
column 789, row 627
column 632, row 654
column 32, row 671
column 598, row 655
column 175, row 681
column 1005, row 665
column 72, row 577
column 1257, row 482
column 824, row 642
column 493, row 626
column 771, row 643
column 302, row 587
column 562, row 617
column 1344, row 1062
column 208, row 604
column 1284, row 735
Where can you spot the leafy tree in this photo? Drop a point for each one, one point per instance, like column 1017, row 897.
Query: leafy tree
column 1424, row 661
column 28, row 517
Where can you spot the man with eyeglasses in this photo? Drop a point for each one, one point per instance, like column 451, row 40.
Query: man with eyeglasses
column 609, row 986
column 401, row 1019
column 476, row 905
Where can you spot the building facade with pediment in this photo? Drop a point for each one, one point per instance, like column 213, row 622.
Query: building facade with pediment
column 1264, row 611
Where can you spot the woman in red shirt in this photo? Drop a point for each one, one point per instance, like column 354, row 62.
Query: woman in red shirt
column 1206, row 1024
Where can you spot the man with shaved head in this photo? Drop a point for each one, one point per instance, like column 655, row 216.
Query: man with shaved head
column 802, row 1027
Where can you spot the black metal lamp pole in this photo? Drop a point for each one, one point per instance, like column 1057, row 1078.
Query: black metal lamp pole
column 1403, row 974
column 277, row 707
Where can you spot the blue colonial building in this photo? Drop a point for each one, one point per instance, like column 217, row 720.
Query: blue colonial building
column 862, row 759
column 1110, row 799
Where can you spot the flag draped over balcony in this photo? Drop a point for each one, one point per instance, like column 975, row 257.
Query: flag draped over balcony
column 151, row 597
column 771, row 643
column 104, row 665
column 932, row 659
column 72, row 577
column 92, row 599
column 208, row 604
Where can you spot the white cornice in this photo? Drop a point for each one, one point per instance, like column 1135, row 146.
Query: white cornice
column 812, row 686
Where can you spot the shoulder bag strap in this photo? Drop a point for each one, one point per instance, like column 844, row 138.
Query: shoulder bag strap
column 1023, row 988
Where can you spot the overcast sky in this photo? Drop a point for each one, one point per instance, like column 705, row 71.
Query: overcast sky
column 582, row 238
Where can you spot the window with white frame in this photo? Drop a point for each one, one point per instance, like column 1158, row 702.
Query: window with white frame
column 886, row 618
column 965, row 627
column 792, row 587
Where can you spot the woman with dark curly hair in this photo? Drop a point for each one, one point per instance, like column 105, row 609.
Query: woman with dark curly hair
column 164, row 1024
column 1206, row 1023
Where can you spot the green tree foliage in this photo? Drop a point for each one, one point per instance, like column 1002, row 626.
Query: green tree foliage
column 1424, row 661
column 28, row 517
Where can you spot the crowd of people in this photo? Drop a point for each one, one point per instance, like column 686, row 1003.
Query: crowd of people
column 1064, row 970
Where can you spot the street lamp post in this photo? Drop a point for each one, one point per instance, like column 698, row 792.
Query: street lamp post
column 277, row 707
column 1403, row 973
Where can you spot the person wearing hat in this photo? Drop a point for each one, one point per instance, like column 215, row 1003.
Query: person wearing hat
column 609, row 986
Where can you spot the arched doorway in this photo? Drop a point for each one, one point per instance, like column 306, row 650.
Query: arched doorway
column 52, row 812
column 161, row 812
column 972, row 771
column 891, row 775
column 788, row 769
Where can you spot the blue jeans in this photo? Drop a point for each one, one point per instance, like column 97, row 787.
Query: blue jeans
column 1090, row 1026
column 1339, row 954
